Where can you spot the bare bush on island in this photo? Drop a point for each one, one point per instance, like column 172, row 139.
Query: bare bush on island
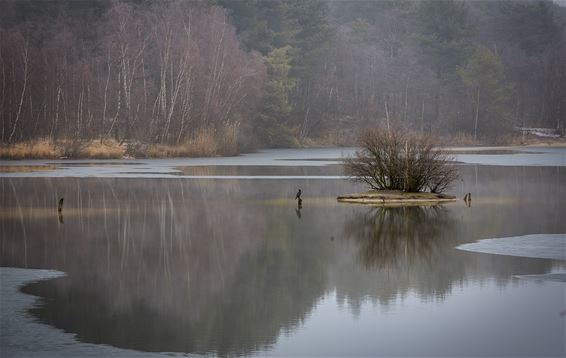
column 396, row 159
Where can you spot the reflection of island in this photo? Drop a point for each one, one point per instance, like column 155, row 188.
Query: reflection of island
column 390, row 236
column 402, row 250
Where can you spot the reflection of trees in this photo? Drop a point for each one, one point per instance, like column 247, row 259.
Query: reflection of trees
column 167, row 265
column 390, row 236
column 272, row 290
column 251, row 170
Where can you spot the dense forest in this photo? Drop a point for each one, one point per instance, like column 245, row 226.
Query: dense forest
column 257, row 73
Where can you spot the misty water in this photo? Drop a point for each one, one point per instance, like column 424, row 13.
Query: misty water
column 213, row 256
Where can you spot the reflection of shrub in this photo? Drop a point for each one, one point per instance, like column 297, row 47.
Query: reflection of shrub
column 391, row 236
column 398, row 160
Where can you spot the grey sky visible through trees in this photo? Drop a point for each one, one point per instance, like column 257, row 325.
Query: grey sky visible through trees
column 275, row 73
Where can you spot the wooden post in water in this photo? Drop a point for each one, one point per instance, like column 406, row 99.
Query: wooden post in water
column 60, row 210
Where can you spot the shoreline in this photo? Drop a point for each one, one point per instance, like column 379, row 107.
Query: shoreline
column 111, row 150
column 23, row 336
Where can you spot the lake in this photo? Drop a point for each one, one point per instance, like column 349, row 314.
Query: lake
column 213, row 257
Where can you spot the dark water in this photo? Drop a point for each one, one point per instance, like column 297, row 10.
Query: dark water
column 233, row 267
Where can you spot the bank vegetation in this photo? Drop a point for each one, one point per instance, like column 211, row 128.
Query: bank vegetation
column 177, row 78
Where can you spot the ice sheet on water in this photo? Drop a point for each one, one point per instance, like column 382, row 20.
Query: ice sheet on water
column 305, row 157
column 522, row 156
column 555, row 277
column 545, row 246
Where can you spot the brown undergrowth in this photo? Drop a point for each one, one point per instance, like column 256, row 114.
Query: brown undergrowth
column 205, row 143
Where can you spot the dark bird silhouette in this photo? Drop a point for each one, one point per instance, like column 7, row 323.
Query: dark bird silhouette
column 298, row 196
column 60, row 207
column 468, row 199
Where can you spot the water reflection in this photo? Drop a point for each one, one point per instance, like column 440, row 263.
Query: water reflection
column 226, row 266
column 251, row 170
column 391, row 236
column 170, row 265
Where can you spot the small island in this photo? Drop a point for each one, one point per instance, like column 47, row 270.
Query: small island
column 401, row 168
column 396, row 197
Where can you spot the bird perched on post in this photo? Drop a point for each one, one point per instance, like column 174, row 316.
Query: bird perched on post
column 468, row 199
column 60, row 207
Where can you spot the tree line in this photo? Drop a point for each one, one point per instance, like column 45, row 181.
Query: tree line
column 262, row 73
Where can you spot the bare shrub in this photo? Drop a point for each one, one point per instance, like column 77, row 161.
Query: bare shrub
column 394, row 159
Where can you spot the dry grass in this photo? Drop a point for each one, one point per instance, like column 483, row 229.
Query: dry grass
column 333, row 138
column 108, row 149
column 45, row 149
column 39, row 149
column 202, row 145
column 531, row 140
column 467, row 140
column 342, row 138
column 205, row 143
column 229, row 143
column 459, row 139
column 162, row 151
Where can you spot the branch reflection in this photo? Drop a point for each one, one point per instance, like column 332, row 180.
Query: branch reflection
column 390, row 236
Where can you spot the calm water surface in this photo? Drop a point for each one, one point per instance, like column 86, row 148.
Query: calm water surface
column 229, row 266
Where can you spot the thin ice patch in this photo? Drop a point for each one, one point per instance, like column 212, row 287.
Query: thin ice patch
column 543, row 246
column 554, row 277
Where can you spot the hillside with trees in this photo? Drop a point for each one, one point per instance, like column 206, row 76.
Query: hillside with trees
column 219, row 77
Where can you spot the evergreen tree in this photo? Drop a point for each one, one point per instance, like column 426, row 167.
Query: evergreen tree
column 444, row 34
column 530, row 25
column 313, row 34
column 261, row 25
column 483, row 74
column 276, row 106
